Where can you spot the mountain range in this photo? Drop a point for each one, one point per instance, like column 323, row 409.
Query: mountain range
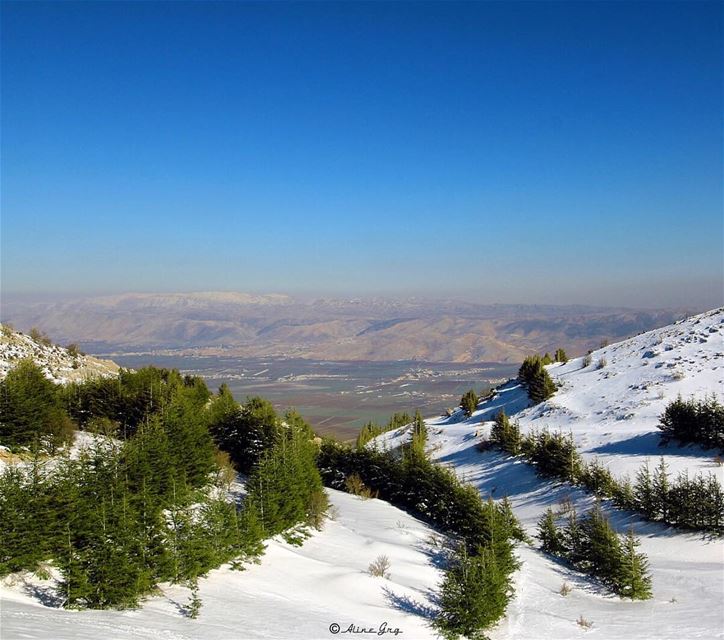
column 375, row 328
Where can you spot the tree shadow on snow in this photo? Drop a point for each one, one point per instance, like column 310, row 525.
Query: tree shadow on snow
column 438, row 556
column 47, row 596
column 410, row 605
column 649, row 444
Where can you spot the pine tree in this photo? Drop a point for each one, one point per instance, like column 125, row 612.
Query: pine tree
column 31, row 413
column 660, row 492
column 505, row 434
column 415, row 451
column 550, row 538
column 644, row 492
column 473, row 595
column 469, row 402
column 574, row 540
column 633, row 580
column 560, row 356
column 602, row 549
column 541, row 386
column 251, row 532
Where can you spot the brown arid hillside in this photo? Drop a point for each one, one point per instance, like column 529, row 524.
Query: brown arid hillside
column 377, row 329
column 59, row 364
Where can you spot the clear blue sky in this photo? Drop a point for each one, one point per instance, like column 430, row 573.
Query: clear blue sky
column 521, row 152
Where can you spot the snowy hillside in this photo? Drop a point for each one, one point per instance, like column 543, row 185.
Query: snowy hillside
column 612, row 412
column 59, row 364
column 296, row 592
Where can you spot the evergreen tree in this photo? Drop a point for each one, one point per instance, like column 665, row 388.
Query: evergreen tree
column 644, row 492
column 560, row 356
column 473, row 595
column 251, row 532
column 548, row 534
column 416, row 449
column 602, row 549
column 368, row 431
column 633, row 580
column 541, row 387
column 505, row 434
column 31, row 413
column 469, row 402
column 660, row 492
column 574, row 542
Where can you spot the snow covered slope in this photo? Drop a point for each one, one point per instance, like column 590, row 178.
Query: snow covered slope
column 612, row 412
column 300, row 592
column 296, row 592
column 59, row 365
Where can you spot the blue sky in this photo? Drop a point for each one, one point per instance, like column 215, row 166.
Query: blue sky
column 510, row 152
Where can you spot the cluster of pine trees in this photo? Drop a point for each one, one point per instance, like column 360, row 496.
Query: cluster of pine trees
column 591, row 545
column 533, row 375
column 416, row 446
column 371, row 430
column 477, row 585
column 150, row 507
column 32, row 415
column 469, row 402
column 690, row 503
column 694, row 421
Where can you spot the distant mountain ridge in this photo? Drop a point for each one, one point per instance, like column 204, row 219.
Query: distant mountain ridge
column 265, row 325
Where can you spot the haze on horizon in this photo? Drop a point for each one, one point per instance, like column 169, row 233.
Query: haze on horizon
column 503, row 152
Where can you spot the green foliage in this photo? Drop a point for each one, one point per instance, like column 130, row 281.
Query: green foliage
column 597, row 478
column 469, row 402
column 124, row 515
column 31, row 413
column 694, row 421
column 533, row 375
column 632, row 579
column 416, row 448
column 592, row 546
column 132, row 398
column 560, row 356
column 368, row 432
column 690, row 503
column 505, row 434
column 285, row 483
column 371, row 430
column 473, row 596
column 245, row 432
column 435, row 494
column 550, row 538
column 553, row 453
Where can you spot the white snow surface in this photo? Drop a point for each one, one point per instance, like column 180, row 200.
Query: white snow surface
column 612, row 412
column 57, row 363
column 295, row 593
